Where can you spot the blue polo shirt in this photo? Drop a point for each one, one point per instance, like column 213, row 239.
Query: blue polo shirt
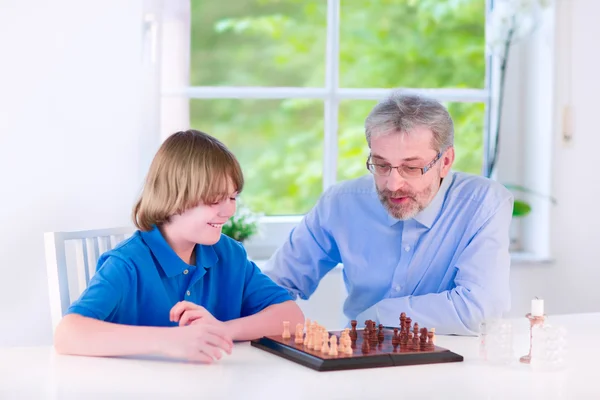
column 139, row 281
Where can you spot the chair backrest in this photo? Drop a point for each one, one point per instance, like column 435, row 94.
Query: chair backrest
column 71, row 259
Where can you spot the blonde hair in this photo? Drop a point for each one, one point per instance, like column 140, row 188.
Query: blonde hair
column 189, row 169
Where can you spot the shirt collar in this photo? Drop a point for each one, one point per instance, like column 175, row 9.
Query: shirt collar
column 169, row 261
column 430, row 213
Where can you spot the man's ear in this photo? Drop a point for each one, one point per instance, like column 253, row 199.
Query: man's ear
column 447, row 161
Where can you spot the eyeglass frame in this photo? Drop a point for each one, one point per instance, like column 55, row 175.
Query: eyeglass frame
column 423, row 170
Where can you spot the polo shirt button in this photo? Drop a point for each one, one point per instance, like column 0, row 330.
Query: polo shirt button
column 407, row 248
column 185, row 271
column 397, row 288
column 188, row 293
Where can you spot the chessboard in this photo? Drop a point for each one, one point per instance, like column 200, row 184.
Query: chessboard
column 370, row 347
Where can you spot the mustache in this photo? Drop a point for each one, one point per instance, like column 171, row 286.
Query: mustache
column 398, row 193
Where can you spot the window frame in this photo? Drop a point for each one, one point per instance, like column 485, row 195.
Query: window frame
column 175, row 94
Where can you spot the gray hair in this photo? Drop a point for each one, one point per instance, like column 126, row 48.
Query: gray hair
column 401, row 112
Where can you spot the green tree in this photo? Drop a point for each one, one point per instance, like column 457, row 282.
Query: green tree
column 383, row 44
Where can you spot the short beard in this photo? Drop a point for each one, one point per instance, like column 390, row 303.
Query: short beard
column 401, row 212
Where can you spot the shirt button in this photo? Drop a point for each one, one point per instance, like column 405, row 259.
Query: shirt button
column 397, row 288
column 188, row 293
column 185, row 271
column 406, row 248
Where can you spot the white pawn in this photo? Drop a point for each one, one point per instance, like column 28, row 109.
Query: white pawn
column 317, row 340
column 348, row 347
column 325, row 340
column 333, row 347
column 299, row 334
column 286, row 330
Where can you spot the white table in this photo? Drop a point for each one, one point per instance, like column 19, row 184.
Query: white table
column 249, row 373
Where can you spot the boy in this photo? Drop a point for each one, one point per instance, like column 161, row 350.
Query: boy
column 178, row 287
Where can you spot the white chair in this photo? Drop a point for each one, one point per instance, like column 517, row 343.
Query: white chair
column 71, row 259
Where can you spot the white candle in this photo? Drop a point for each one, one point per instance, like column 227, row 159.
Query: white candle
column 537, row 307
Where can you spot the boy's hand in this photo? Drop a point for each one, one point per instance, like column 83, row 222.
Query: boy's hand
column 199, row 342
column 186, row 312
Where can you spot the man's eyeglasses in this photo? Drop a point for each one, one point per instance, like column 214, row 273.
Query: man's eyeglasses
column 405, row 171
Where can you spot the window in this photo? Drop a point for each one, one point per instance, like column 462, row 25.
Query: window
column 287, row 84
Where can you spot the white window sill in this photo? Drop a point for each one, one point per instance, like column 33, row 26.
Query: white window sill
column 518, row 259
column 274, row 231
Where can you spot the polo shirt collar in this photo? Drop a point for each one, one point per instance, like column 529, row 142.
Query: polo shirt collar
column 169, row 261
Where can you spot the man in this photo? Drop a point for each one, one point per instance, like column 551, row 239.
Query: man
column 412, row 236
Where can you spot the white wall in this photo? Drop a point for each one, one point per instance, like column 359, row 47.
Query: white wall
column 72, row 149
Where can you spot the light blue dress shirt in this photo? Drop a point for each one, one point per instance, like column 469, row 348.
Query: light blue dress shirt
column 447, row 268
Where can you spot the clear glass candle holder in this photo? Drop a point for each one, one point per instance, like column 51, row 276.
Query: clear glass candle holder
column 496, row 341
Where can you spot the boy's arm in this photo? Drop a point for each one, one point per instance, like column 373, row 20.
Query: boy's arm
column 79, row 335
column 268, row 322
column 84, row 330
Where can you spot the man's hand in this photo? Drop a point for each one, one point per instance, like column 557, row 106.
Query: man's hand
column 198, row 342
column 186, row 312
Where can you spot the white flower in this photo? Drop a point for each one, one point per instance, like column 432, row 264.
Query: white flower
column 512, row 20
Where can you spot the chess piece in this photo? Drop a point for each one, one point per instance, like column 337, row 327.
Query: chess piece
column 333, row 347
column 432, row 330
column 348, row 346
column 380, row 335
column 423, row 339
column 415, row 342
column 430, row 336
column 353, row 332
column 325, row 346
column 342, row 343
column 286, row 330
column 395, row 339
column 365, row 346
column 317, row 338
column 299, row 334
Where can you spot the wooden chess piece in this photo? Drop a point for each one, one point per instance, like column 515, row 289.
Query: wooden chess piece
column 325, row 339
column 348, row 346
column 423, row 339
column 380, row 335
column 286, row 330
column 317, row 338
column 402, row 321
column 299, row 334
column 415, row 342
column 395, row 339
column 333, row 347
column 431, row 343
column 365, row 346
column 353, row 332
column 432, row 330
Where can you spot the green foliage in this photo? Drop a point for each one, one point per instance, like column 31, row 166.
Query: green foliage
column 243, row 225
column 383, row 44
column 521, row 208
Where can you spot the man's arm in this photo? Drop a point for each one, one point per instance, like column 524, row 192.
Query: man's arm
column 482, row 288
column 307, row 255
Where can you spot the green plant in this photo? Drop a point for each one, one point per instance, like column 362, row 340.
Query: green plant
column 522, row 208
column 243, row 225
